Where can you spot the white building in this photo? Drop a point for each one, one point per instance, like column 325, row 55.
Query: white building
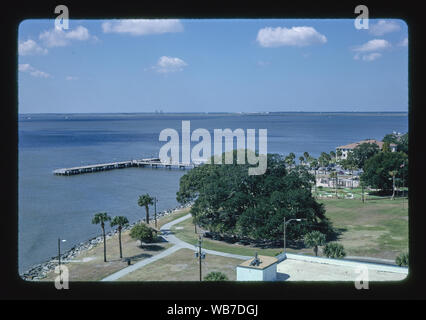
column 349, row 147
column 261, row 268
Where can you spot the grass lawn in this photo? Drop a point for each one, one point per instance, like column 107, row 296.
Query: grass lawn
column 377, row 228
column 182, row 266
column 90, row 266
column 185, row 231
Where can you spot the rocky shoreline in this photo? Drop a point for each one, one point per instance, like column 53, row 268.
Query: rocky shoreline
column 39, row 271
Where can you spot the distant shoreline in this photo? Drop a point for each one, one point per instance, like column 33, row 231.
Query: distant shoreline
column 266, row 113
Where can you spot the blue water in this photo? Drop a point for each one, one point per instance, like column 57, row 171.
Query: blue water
column 56, row 206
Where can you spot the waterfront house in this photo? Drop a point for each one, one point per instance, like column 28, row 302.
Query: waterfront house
column 349, row 147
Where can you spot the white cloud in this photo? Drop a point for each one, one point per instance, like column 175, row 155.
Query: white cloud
column 296, row 36
column 27, row 68
column 30, row 47
column 60, row 38
column 70, row 78
column 404, row 43
column 371, row 56
column 139, row 27
column 169, row 64
column 382, row 27
column 373, row 45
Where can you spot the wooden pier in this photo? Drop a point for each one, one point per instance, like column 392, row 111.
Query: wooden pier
column 151, row 162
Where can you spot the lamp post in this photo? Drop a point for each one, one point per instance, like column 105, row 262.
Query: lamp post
column 155, row 211
column 285, row 226
column 200, row 255
column 59, row 253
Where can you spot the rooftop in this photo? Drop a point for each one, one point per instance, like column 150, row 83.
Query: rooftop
column 355, row 144
column 265, row 262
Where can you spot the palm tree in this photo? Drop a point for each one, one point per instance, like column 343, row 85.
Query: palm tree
column 120, row 222
column 145, row 201
column 314, row 239
column 307, row 156
column 290, row 159
column 301, row 159
column 101, row 218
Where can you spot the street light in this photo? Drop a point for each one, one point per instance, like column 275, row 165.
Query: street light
column 155, row 211
column 59, row 253
column 285, row 226
column 200, row 255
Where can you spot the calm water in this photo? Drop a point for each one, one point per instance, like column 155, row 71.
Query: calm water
column 55, row 206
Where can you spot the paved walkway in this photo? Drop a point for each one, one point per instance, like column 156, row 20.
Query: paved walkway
column 178, row 244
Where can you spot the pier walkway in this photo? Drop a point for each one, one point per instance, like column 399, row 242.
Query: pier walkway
column 151, row 162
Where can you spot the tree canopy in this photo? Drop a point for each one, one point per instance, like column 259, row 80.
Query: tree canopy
column 228, row 200
column 377, row 170
column 362, row 153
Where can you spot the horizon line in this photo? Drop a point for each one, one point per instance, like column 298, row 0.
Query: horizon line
column 214, row 112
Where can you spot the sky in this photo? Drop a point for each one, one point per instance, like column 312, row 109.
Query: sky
column 229, row 65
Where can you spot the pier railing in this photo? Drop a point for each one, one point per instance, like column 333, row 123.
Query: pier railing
column 151, row 162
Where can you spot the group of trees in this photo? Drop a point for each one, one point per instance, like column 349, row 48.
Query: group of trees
column 227, row 200
column 119, row 221
column 140, row 232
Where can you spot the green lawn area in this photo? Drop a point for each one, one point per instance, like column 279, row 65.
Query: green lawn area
column 377, row 228
column 185, row 231
column 89, row 264
column 182, row 266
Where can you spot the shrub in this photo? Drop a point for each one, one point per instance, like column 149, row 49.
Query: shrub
column 402, row 260
column 216, row 276
column 143, row 233
column 334, row 250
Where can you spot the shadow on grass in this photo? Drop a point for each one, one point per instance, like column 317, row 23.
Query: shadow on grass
column 140, row 256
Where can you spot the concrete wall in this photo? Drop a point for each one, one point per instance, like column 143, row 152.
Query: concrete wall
column 252, row 274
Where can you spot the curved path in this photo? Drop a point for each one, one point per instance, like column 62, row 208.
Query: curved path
column 178, row 244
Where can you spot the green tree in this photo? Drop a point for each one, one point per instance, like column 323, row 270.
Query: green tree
column 143, row 233
column 101, row 218
column 120, row 222
column 313, row 240
column 334, row 250
column 145, row 201
column 289, row 160
column 402, row 260
column 402, row 144
column 301, row 160
column 377, row 170
column 306, row 156
column 324, row 159
column 229, row 201
column 216, row 276
column 362, row 153
column 401, row 141
column 386, row 147
column 332, row 157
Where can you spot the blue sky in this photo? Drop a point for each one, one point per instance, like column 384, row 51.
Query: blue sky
column 212, row 66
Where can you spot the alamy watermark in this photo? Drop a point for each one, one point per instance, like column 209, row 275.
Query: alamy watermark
column 62, row 280
column 62, row 21
column 245, row 146
column 361, row 21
